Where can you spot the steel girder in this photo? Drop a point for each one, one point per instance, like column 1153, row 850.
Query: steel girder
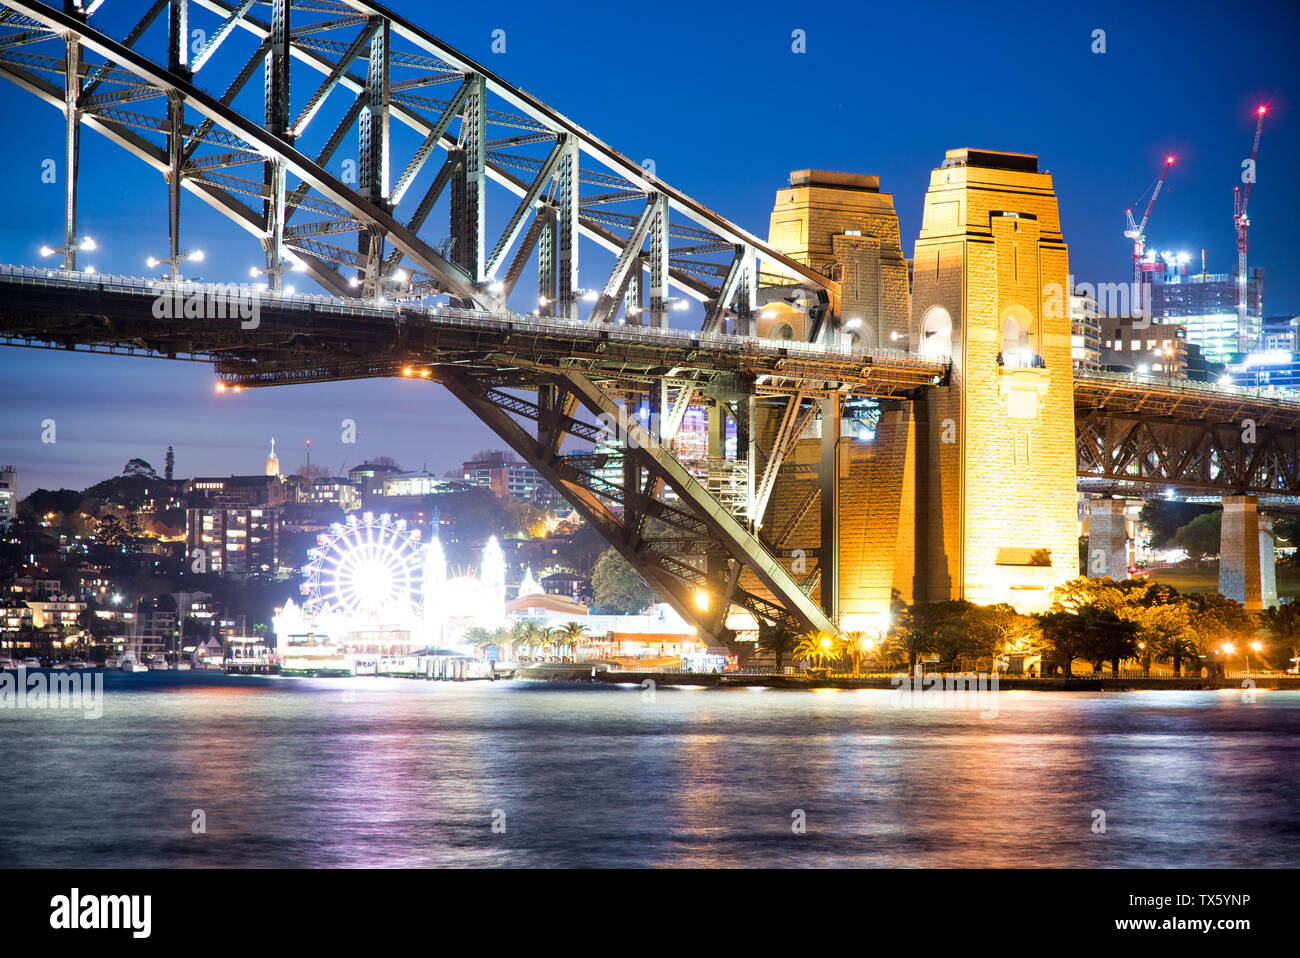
column 1145, row 453
column 658, row 516
column 270, row 138
column 124, row 65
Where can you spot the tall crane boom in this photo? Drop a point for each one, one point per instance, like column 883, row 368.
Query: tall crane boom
column 1242, row 222
column 1136, row 233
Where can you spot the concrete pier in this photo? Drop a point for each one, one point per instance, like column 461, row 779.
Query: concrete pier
column 1240, row 547
column 1107, row 540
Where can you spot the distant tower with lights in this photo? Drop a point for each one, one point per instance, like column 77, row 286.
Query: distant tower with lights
column 272, row 462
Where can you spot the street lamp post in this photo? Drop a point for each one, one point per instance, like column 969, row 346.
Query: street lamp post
column 276, row 273
column 174, row 262
column 70, row 251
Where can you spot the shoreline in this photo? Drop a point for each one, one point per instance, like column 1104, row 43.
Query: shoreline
column 561, row 674
column 572, row 674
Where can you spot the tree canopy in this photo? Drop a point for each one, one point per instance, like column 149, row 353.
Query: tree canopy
column 618, row 588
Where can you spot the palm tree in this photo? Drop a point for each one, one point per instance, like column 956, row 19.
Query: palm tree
column 480, row 638
column 780, row 642
column 815, row 647
column 573, row 635
column 502, row 638
column 530, row 635
column 856, row 643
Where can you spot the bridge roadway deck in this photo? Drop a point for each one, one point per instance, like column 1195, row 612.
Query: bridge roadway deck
column 314, row 338
column 309, row 338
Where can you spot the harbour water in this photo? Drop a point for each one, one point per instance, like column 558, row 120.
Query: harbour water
column 378, row 772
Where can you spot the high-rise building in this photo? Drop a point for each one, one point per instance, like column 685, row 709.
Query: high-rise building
column 1206, row 305
column 8, row 495
column 234, row 541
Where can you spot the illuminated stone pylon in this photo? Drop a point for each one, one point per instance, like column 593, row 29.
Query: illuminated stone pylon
column 996, row 515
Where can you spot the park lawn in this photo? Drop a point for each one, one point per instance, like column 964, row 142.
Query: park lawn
column 1205, row 578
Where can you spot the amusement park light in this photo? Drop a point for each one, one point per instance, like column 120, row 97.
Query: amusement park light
column 701, row 600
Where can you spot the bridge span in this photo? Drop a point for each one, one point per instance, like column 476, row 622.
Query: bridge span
column 904, row 427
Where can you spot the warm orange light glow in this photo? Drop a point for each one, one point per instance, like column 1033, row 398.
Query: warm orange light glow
column 406, row 371
column 221, row 387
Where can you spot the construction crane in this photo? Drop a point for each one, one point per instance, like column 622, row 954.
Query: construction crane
column 1136, row 234
column 1240, row 220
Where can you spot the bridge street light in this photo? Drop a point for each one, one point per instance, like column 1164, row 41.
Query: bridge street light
column 70, row 252
column 276, row 273
column 174, row 262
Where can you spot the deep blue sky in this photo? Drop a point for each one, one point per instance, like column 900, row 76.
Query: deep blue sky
column 712, row 93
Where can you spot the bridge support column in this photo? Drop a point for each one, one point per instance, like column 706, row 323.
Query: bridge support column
column 1107, row 540
column 72, row 154
column 276, row 111
column 829, row 475
column 878, row 517
column 1239, row 552
column 1267, row 564
column 990, row 291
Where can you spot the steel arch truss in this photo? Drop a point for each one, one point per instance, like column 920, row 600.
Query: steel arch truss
column 642, row 500
column 1143, row 452
column 357, row 70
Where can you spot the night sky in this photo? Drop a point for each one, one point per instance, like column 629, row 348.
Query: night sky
column 713, row 94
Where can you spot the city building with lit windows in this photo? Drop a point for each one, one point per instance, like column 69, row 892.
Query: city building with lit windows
column 1205, row 305
column 1085, row 332
column 239, row 491
column 1141, row 347
column 420, row 484
column 8, row 495
column 331, row 491
column 234, row 541
column 507, row 477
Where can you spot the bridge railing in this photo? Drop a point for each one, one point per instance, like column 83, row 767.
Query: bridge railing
column 1155, row 380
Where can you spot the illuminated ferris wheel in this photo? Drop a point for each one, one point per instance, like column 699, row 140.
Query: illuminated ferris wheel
column 367, row 571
